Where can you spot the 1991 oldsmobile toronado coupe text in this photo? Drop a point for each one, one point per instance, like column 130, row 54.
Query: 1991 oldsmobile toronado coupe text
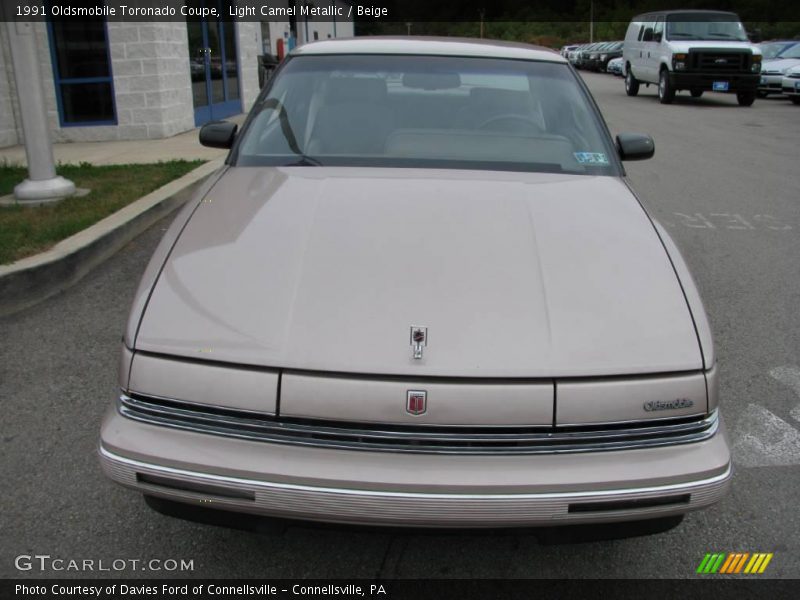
column 420, row 292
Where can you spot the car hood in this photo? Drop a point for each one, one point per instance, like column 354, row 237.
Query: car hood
column 780, row 64
column 514, row 275
column 688, row 45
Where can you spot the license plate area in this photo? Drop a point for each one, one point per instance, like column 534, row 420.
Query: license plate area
column 720, row 86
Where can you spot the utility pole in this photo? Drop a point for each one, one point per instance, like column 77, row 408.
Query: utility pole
column 42, row 184
column 591, row 21
column 483, row 16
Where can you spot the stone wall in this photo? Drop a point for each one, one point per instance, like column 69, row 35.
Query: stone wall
column 248, row 43
column 152, row 84
column 8, row 95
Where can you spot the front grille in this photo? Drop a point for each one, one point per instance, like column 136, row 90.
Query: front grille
column 720, row 62
column 421, row 439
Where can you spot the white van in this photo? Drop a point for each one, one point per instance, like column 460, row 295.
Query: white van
column 694, row 50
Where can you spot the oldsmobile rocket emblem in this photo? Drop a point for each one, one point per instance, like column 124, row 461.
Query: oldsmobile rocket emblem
column 419, row 339
column 416, row 402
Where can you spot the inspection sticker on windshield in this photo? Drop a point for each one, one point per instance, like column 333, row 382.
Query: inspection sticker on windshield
column 591, row 158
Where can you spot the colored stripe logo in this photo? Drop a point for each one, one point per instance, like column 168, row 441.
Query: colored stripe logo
column 734, row 563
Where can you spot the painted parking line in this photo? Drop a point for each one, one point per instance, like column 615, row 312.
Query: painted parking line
column 728, row 221
column 767, row 440
column 790, row 377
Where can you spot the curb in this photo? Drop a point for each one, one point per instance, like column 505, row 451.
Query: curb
column 30, row 280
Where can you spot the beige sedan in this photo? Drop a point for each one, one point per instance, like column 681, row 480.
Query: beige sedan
column 420, row 293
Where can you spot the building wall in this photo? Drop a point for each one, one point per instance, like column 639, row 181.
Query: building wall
column 152, row 81
column 248, row 43
column 8, row 103
column 325, row 29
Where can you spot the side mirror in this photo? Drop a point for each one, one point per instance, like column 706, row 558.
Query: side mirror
column 755, row 37
column 635, row 146
column 218, row 134
column 648, row 35
column 657, row 36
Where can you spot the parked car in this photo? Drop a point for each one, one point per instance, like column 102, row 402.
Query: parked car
column 598, row 60
column 592, row 57
column 565, row 50
column 691, row 50
column 772, row 71
column 573, row 55
column 420, row 292
column 615, row 66
column 584, row 54
column 774, row 48
column 791, row 84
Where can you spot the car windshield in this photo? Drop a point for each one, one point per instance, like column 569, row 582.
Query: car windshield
column 793, row 52
column 699, row 26
column 429, row 112
column 773, row 49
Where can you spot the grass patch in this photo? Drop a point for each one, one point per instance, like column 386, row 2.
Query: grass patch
column 28, row 230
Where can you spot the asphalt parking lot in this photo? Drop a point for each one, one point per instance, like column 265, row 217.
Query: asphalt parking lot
column 725, row 182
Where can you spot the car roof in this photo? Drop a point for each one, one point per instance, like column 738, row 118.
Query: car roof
column 664, row 13
column 430, row 46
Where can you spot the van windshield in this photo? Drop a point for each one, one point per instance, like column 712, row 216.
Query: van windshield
column 705, row 26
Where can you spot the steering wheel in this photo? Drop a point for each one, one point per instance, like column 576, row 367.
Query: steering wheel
column 511, row 119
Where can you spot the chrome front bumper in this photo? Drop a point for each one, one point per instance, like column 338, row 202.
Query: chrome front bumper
column 770, row 83
column 367, row 488
column 412, row 509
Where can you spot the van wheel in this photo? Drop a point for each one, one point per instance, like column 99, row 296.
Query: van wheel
column 696, row 93
column 746, row 98
column 631, row 83
column 666, row 93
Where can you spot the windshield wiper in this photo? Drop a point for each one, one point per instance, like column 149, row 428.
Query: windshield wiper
column 305, row 161
column 288, row 133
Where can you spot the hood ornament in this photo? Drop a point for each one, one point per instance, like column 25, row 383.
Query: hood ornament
column 419, row 339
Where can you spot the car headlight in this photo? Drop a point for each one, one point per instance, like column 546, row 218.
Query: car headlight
column 679, row 62
column 593, row 56
column 603, row 56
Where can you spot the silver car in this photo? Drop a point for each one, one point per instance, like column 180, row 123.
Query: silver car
column 773, row 71
column 420, row 292
column 790, row 84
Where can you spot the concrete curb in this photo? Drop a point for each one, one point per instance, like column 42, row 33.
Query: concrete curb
column 35, row 278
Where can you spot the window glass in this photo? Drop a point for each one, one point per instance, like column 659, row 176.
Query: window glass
column 80, row 48
column 87, row 102
column 231, row 70
column 427, row 111
column 704, row 26
column 659, row 26
column 82, row 70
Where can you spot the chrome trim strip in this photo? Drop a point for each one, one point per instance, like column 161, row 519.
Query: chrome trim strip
column 533, row 440
column 674, row 488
